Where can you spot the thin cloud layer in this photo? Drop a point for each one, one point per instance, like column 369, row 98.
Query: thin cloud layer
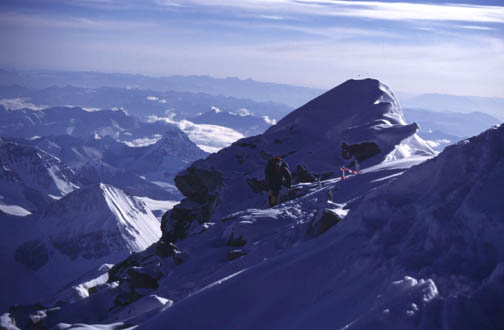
column 363, row 9
column 421, row 47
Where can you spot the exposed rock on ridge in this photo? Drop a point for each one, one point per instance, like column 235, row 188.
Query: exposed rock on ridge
column 354, row 112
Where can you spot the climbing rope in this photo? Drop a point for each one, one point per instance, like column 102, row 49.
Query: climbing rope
column 343, row 169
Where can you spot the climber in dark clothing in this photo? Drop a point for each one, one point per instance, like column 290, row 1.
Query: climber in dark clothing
column 277, row 174
column 359, row 152
column 349, row 153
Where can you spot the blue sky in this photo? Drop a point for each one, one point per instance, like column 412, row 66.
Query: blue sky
column 414, row 46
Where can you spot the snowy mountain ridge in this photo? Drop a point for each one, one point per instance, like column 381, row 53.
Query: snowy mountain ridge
column 31, row 178
column 411, row 242
column 355, row 112
column 421, row 251
column 86, row 228
column 107, row 210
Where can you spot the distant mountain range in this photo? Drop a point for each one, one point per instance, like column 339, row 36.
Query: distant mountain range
column 74, row 193
column 141, row 103
column 445, row 128
column 293, row 96
column 64, row 148
column 455, row 103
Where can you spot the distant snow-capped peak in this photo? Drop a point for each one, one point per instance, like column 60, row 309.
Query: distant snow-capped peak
column 37, row 169
column 117, row 220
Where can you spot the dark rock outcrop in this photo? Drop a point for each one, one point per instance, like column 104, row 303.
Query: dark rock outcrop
column 200, row 186
column 302, row 175
column 361, row 151
column 236, row 241
column 144, row 278
column 235, row 254
column 323, row 221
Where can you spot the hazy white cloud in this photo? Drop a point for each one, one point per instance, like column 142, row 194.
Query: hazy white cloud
column 476, row 27
column 417, row 11
column 272, row 17
column 366, row 9
column 20, row 103
column 210, row 138
column 269, row 120
column 298, row 42
column 168, row 3
column 242, row 112
column 44, row 21
column 336, row 32
column 143, row 142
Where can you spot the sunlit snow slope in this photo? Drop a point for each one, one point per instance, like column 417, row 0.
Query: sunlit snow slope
column 89, row 227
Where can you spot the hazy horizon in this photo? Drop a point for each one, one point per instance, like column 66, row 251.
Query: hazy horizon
column 415, row 47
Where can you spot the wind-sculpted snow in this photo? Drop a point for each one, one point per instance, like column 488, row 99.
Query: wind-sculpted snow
column 355, row 112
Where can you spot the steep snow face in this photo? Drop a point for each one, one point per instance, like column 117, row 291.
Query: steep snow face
column 103, row 216
column 30, row 177
column 444, row 215
column 423, row 251
column 353, row 112
column 88, row 227
column 357, row 111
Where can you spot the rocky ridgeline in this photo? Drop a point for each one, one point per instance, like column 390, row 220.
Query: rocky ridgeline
column 357, row 112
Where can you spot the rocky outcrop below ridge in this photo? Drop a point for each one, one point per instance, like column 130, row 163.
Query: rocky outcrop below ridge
column 357, row 112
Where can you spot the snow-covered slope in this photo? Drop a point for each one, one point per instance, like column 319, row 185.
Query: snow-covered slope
column 31, row 178
column 118, row 220
column 423, row 251
column 409, row 243
column 354, row 112
column 89, row 227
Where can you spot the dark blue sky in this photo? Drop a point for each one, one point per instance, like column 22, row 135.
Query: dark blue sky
column 415, row 46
